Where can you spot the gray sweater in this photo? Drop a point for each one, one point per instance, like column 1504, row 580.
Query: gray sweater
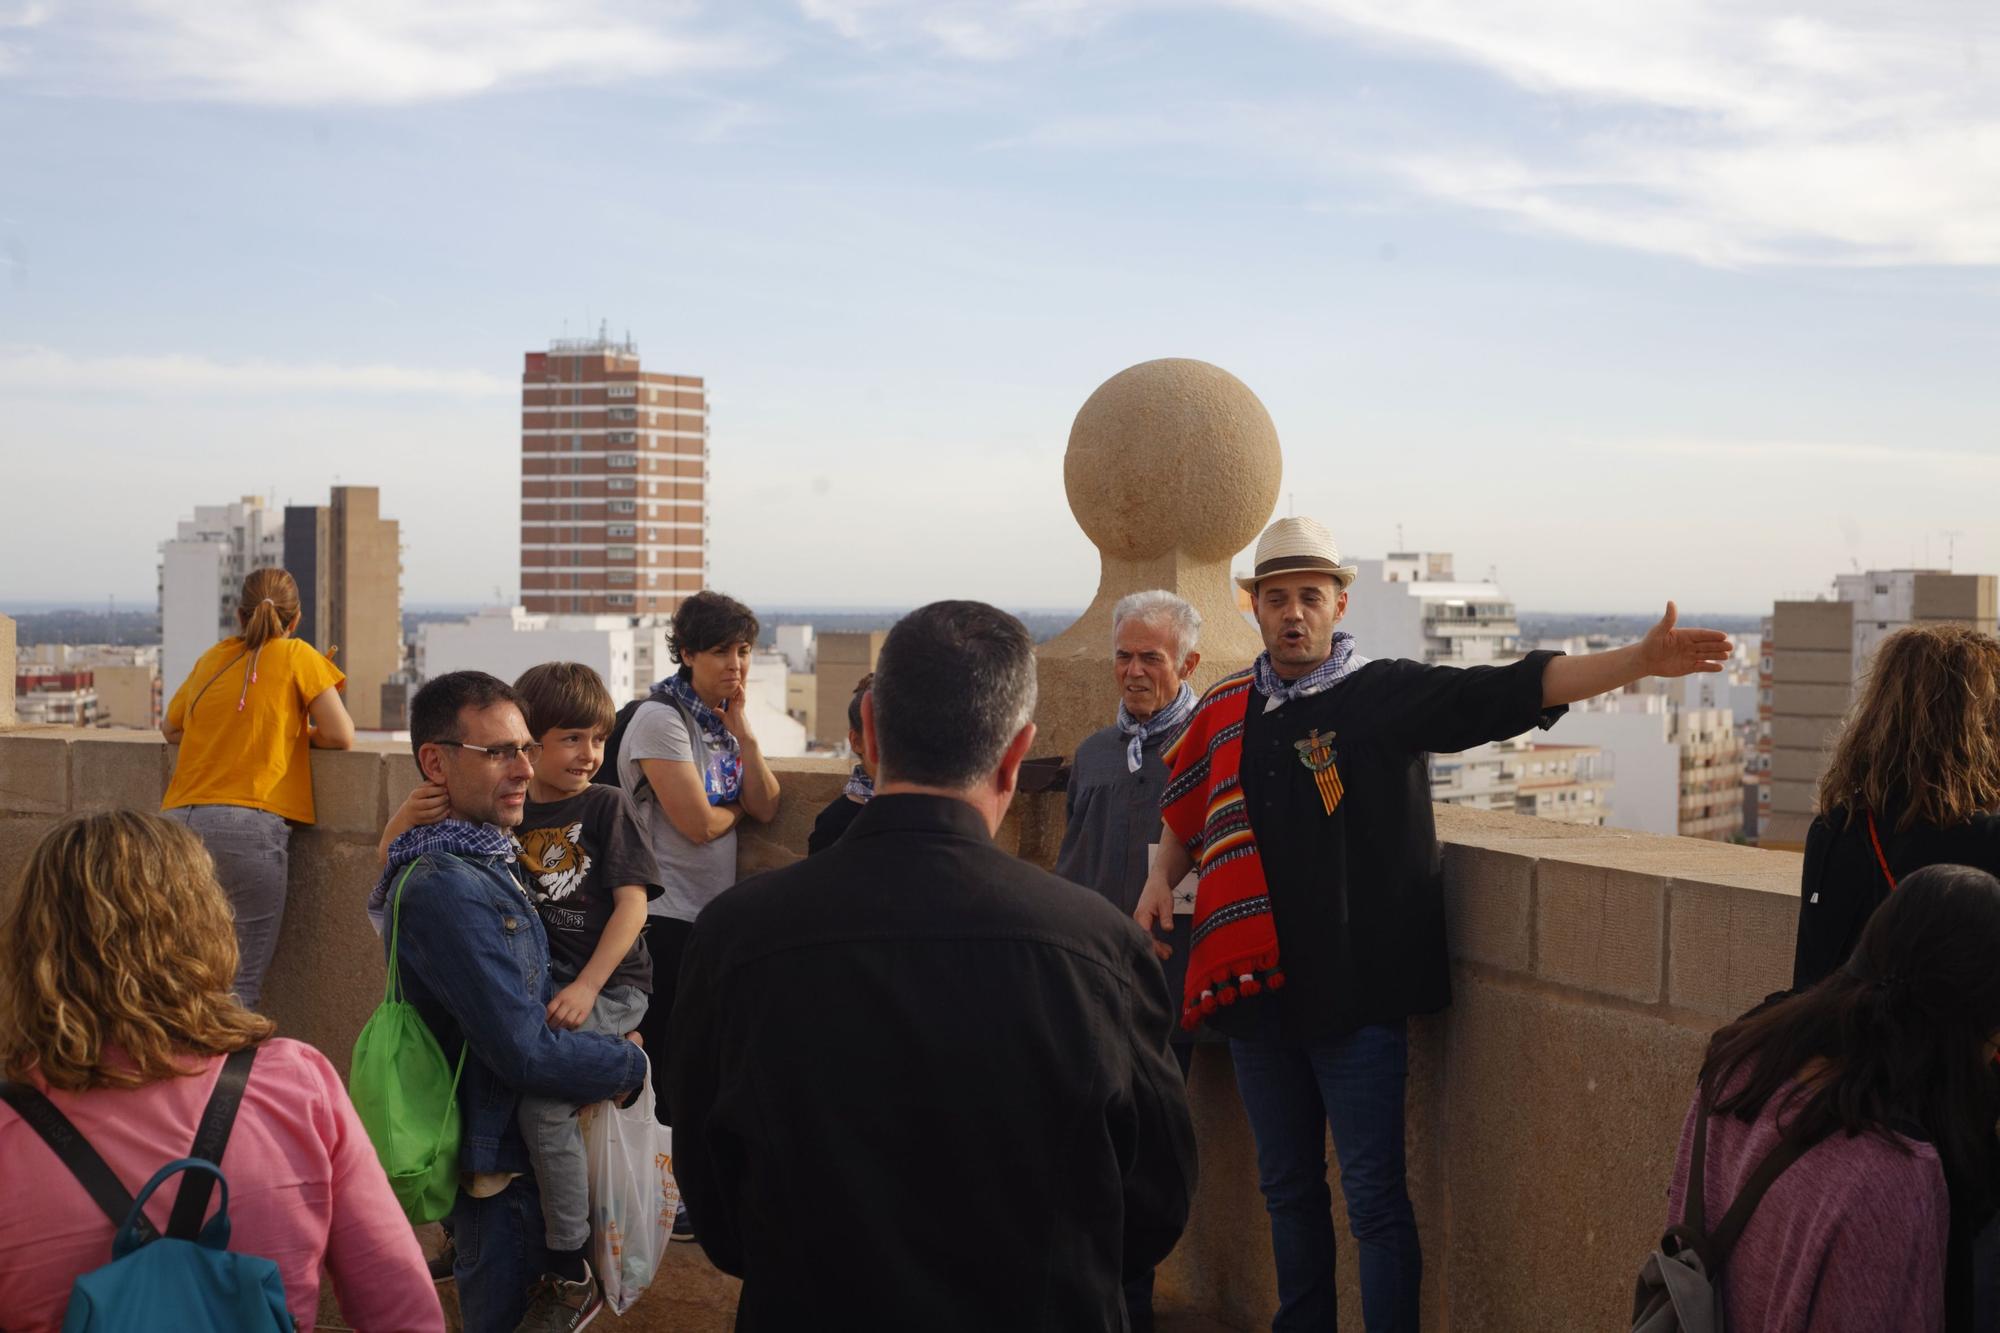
column 1114, row 816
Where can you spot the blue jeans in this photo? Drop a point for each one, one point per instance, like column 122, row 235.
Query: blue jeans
column 500, row 1255
column 1293, row 1093
column 252, row 854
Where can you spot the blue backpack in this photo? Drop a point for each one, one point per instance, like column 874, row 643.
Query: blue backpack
column 186, row 1279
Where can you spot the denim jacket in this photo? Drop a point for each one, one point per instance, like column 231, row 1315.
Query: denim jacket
column 475, row 963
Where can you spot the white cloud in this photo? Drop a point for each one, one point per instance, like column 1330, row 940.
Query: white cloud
column 978, row 30
column 318, row 52
column 1725, row 131
column 28, row 369
column 1788, row 454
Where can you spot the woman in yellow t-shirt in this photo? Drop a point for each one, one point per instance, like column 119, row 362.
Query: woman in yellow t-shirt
column 246, row 718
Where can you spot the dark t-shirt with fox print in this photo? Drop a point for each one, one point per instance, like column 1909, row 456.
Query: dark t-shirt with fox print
column 575, row 852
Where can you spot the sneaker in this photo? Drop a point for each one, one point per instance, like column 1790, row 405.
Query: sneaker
column 560, row 1306
column 683, row 1229
column 447, row 1259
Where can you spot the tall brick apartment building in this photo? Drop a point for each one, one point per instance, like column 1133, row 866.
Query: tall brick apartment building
column 614, row 482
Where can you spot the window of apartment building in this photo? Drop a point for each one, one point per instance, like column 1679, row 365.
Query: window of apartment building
column 622, row 414
column 622, row 484
column 1881, row 590
column 618, row 553
column 621, row 391
column 622, row 460
column 622, row 437
column 619, row 599
column 619, row 575
column 621, row 530
column 623, row 506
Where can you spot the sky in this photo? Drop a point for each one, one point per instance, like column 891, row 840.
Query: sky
column 1690, row 299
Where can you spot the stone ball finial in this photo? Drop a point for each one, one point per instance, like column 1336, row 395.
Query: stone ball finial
column 1172, row 455
column 1173, row 467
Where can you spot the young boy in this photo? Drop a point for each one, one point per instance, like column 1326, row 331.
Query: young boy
column 587, row 864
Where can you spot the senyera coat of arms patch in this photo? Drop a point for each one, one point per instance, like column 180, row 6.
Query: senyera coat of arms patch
column 1316, row 753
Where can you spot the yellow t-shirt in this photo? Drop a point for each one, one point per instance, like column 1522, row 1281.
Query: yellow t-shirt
column 260, row 755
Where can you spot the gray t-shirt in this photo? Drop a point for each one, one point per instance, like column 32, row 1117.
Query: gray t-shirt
column 692, row 876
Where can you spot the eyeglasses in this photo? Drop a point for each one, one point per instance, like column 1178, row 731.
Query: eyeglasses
column 501, row 754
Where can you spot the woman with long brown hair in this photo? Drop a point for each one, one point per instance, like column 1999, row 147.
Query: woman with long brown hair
column 246, row 719
column 1879, row 1084
column 1914, row 781
column 116, row 962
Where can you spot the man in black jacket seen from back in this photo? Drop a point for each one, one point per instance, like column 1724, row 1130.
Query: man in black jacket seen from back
column 918, row 1083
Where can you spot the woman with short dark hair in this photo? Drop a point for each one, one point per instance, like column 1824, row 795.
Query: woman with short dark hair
column 1913, row 781
column 1882, row 1077
column 690, row 759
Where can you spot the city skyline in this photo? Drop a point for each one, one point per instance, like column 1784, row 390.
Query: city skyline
column 1715, row 330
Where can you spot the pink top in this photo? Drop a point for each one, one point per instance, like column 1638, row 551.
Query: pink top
column 305, row 1190
column 1850, row 1239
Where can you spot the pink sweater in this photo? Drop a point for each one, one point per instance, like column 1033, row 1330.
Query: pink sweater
column 1850, row 1239
column 305, row 1190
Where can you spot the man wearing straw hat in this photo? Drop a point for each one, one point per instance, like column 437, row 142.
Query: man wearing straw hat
column 1301, row 790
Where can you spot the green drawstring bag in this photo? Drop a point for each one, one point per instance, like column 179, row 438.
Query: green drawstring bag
column 407, row 1096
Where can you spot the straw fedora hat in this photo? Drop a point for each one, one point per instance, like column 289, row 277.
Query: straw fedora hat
column 1294, row 544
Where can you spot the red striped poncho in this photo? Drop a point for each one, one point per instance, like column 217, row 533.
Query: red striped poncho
column 1235, row 948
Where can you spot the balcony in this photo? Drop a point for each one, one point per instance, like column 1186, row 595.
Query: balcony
column 1545, row 1104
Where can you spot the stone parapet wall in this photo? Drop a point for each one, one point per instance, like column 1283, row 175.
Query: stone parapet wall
column 1545, row 1104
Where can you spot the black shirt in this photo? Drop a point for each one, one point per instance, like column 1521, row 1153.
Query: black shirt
column 998, row 1136
column 575, row 852
column 832, row 822
column 1357, row 896
column 1844, row 884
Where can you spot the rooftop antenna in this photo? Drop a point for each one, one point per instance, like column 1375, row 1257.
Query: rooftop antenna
column 1951, row 536
column 1399, row 538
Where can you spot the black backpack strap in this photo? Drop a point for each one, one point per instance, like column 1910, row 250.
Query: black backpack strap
column 211, row 1136
column 1694, row 1208
column 91, row 1172
column 1788, row 1150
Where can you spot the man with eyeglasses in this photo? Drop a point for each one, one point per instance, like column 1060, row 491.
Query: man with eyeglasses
column 475, row 962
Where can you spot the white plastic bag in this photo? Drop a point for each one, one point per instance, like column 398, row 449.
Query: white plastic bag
column 632, row 1194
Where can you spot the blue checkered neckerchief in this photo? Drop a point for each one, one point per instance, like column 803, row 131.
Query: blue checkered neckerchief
column 1163, row 723
column 1341, row 663
column 860, row 787
column 454, row 836
column 723, row 779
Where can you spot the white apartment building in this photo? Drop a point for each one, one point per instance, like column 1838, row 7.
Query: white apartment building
column 1408, row 604
column 202, row 568
column 1527, row 776
column 795, row 645
column 629, row 652
column 1679, row 769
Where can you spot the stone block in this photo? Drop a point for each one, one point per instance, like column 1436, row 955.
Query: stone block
column 327, row 975
column 19, row 835
column 1561, row 1130
column 34, row 774
column 1489, row 906
column 1727, row 948
column 347, row 791
column 117, row 774
column 1601, row 929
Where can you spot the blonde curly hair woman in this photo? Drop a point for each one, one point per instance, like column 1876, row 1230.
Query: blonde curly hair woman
column 117, row 957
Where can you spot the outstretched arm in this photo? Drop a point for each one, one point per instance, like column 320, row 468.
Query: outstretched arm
column 1665, row 651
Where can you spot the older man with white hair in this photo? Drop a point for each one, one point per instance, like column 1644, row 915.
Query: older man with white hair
column 1114, row 793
